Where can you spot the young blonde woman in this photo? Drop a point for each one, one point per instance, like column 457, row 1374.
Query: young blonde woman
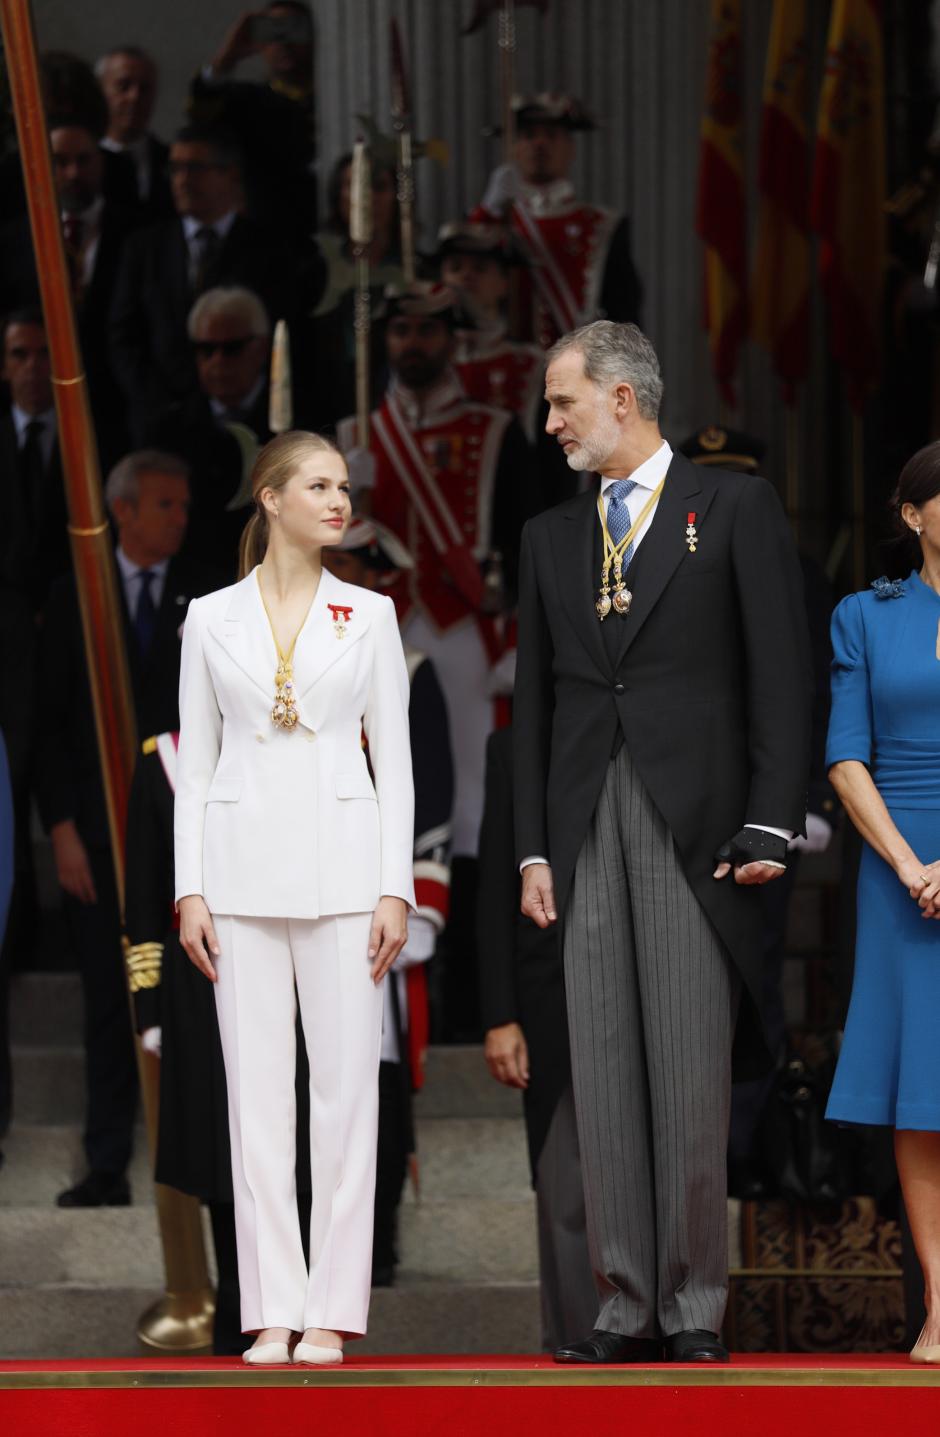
column 293, row 870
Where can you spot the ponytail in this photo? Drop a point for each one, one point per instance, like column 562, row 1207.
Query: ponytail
column 253, row 544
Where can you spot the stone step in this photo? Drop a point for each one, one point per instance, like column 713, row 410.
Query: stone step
column 458, row 1157
column 49, row 1085
column 46, row 1009
column 450, row 1238
column 74, row 1321
column 46, row 1029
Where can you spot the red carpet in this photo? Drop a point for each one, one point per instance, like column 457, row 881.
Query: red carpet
column 761, row 1396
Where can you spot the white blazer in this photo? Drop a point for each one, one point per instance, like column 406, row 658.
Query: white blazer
column 274, row 823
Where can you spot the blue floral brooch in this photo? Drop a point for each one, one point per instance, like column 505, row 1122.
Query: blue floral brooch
column 888, row 588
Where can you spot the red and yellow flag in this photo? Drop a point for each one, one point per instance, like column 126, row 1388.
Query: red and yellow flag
column 720, row 212
column 848, row 205
column 780, row 280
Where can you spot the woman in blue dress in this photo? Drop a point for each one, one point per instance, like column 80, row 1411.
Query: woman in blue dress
column 884, row 757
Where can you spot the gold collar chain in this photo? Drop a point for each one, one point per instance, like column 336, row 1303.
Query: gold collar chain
column 284, row 710
column 614, row 555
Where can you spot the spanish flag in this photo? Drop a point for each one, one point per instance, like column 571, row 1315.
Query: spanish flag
column 720, row 213
column 848, row 204
column 780, row 281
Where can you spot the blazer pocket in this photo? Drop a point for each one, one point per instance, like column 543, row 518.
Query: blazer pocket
column 354, row 785
column 224, row 790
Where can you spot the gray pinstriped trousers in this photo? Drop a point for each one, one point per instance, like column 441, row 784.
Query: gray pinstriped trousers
column 652, row 999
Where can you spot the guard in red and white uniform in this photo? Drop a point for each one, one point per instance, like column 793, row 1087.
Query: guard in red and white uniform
column 579, row 254
column 453, row 480
column 476, row 260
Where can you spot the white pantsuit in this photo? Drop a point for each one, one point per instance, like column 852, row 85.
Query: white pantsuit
column 291, row 845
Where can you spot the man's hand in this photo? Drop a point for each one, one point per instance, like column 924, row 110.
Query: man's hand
column 238, row 44
column 751, row 873
column 197, row 934
column 756, row 855
column 538, row 894
column 507, row 1056
column 72, row 866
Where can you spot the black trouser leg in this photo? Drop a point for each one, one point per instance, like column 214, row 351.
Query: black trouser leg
column 110, row 1064
column 392, row 1164
column 455, row 961
column 227, row 1337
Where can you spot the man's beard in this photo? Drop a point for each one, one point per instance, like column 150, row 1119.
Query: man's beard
column 593, row 452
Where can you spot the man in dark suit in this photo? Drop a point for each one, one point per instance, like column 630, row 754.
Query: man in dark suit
column 128, row 79
column 169, row 264
column 94, row 229
column 219, row 429
column 662, row 725
column 148, row 496
column 34, row 549
column 522, row 1000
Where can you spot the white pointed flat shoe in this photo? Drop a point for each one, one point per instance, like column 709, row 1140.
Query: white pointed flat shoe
column 269, row 1354
column 306, row 1354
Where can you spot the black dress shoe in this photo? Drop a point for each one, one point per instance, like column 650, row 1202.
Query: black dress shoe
column 611, row 1347
column 696, row 1346
column 97, row 1190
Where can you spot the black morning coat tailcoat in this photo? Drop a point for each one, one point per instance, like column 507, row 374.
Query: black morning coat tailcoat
column 521, row 977
column 193, row 1152
column 707, row 679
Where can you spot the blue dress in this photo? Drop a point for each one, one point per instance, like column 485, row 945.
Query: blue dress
column 886, row 713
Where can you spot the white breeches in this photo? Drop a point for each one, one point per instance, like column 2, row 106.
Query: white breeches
column 463, row 671
column 260, row 961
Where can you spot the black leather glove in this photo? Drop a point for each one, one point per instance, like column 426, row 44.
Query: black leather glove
column 753, row 845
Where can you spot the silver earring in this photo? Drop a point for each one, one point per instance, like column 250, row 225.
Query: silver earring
column 918, row 530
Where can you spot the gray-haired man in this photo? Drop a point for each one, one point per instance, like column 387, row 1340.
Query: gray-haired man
column 148, row 498
column 661, row 728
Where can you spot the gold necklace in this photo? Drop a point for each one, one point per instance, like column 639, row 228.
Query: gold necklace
column 614, row 554
column 284, row 712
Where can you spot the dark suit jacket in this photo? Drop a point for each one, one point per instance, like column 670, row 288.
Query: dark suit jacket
column 521, row 976
column 120, row 182
column 150, row 348
column 68, row 780
column 709, row 685
column 34, row 544
column 19, row 286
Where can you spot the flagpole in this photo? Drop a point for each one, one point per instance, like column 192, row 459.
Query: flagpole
column 184, row 1319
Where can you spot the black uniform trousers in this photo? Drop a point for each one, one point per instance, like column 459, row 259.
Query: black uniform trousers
column 110, row 1062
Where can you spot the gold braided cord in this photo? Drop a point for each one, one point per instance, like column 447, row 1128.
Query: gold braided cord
column 144, row 964
column 88, row 533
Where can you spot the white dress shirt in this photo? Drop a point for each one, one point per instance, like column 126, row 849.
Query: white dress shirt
column 130, row 578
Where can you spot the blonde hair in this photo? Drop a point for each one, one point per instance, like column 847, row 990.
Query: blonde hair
column 276, row 464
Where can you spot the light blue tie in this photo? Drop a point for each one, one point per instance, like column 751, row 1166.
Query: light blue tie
column 618, row 515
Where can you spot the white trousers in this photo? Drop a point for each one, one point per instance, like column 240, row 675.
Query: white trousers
column 260, row 961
